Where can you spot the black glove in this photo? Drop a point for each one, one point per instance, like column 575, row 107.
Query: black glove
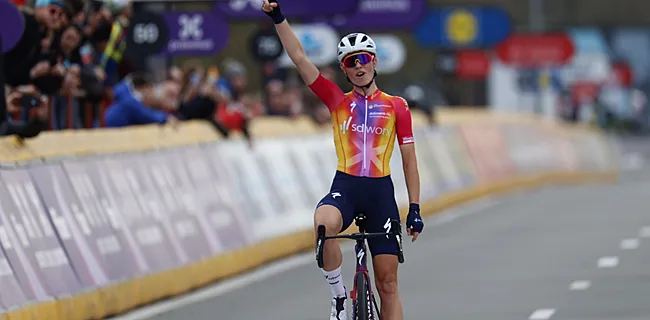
column 276, row 13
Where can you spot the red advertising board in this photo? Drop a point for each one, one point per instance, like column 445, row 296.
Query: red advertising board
column 472, row 64
column 536, row 50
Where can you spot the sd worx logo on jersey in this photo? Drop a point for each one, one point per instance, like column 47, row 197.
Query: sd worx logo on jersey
column 347, row 125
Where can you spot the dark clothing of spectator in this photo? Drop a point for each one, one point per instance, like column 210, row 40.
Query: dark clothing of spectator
column 20, row 60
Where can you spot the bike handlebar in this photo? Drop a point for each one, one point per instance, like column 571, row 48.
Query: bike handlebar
column 395, row 231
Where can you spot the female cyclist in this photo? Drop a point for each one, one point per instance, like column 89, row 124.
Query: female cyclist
column 366, row 123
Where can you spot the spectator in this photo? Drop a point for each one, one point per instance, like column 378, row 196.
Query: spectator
column 111, row 58
column 128, row 106
column 25, row 62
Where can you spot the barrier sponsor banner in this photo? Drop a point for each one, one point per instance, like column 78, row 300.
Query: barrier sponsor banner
column 451, row 156
column 164, row 189
column 454, row 157
column 307, row 175
column 274, row 155
column 11, row 293
column 151, row 202
column 74, row 226
column 565, row 157
column 123, row 185
column 119, row 253
column 591, row 152
column 397, row 175
column 216, row 211
column 426, row 164
column 488, row 151
column 528, row 150
column 37, row 248
column 253, row 197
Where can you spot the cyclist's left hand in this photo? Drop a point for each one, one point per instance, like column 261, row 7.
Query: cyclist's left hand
column 414, row 223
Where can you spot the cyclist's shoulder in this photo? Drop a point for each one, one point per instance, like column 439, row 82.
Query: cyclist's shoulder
column 396, row 100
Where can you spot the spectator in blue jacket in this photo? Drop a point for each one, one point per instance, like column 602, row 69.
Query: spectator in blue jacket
column 129, row 106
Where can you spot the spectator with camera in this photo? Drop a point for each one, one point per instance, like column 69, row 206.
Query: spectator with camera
column 29, row 60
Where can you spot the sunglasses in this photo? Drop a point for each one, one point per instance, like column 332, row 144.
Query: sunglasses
column 362, row 57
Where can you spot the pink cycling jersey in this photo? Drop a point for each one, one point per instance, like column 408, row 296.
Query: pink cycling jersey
column 365, row 127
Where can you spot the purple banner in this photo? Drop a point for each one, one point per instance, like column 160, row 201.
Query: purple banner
column 12, row 25
column 118, row 251
column 252, row 9
column 11, row 294
column 139, row 212
column 378, row 15
column 196, row 33
column 213, row 193
column 180, row 205
column 59, row 203
column 40, row 250
column 528, row 149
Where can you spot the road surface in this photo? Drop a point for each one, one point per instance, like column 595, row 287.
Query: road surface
column 565, row 253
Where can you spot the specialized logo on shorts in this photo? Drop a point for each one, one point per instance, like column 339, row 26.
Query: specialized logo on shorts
column 335, row 194
column 387, row 227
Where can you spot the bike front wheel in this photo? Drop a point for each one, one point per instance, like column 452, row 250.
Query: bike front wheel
column 361, row 308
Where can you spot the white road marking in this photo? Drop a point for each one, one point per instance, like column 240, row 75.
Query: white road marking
column 276, row 268
column 579, row 285
column 630, row 244
column 644, row 232
column 542, row 314
column 607, row 262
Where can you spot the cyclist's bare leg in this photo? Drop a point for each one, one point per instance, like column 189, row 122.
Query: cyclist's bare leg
column 385, row 268
column 331, row 217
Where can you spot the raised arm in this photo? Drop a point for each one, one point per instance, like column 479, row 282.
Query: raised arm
column 290, row 42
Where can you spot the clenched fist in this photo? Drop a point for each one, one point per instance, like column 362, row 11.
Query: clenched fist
column 272, row 9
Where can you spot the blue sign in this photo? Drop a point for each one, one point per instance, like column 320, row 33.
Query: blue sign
column 464, row 27
column 252, row 9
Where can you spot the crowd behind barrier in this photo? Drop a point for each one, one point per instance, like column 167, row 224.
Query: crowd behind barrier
column 97, row 222
column 78, row 74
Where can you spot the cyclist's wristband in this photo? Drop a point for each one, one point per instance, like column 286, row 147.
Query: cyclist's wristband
column 414, row 207
column 277, row 16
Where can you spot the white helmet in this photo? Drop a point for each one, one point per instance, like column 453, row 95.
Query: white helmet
column 355, row 42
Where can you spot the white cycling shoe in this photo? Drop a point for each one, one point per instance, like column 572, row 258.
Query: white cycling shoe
column 339, row 308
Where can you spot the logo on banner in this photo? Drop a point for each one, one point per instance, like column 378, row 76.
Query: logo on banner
column 391, row 53
column 195, row 33
column 191, row 27
column 462, row 27
column 191, row 35
column 319, row 42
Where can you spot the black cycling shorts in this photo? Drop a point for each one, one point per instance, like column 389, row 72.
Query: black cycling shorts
column 375, row 198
